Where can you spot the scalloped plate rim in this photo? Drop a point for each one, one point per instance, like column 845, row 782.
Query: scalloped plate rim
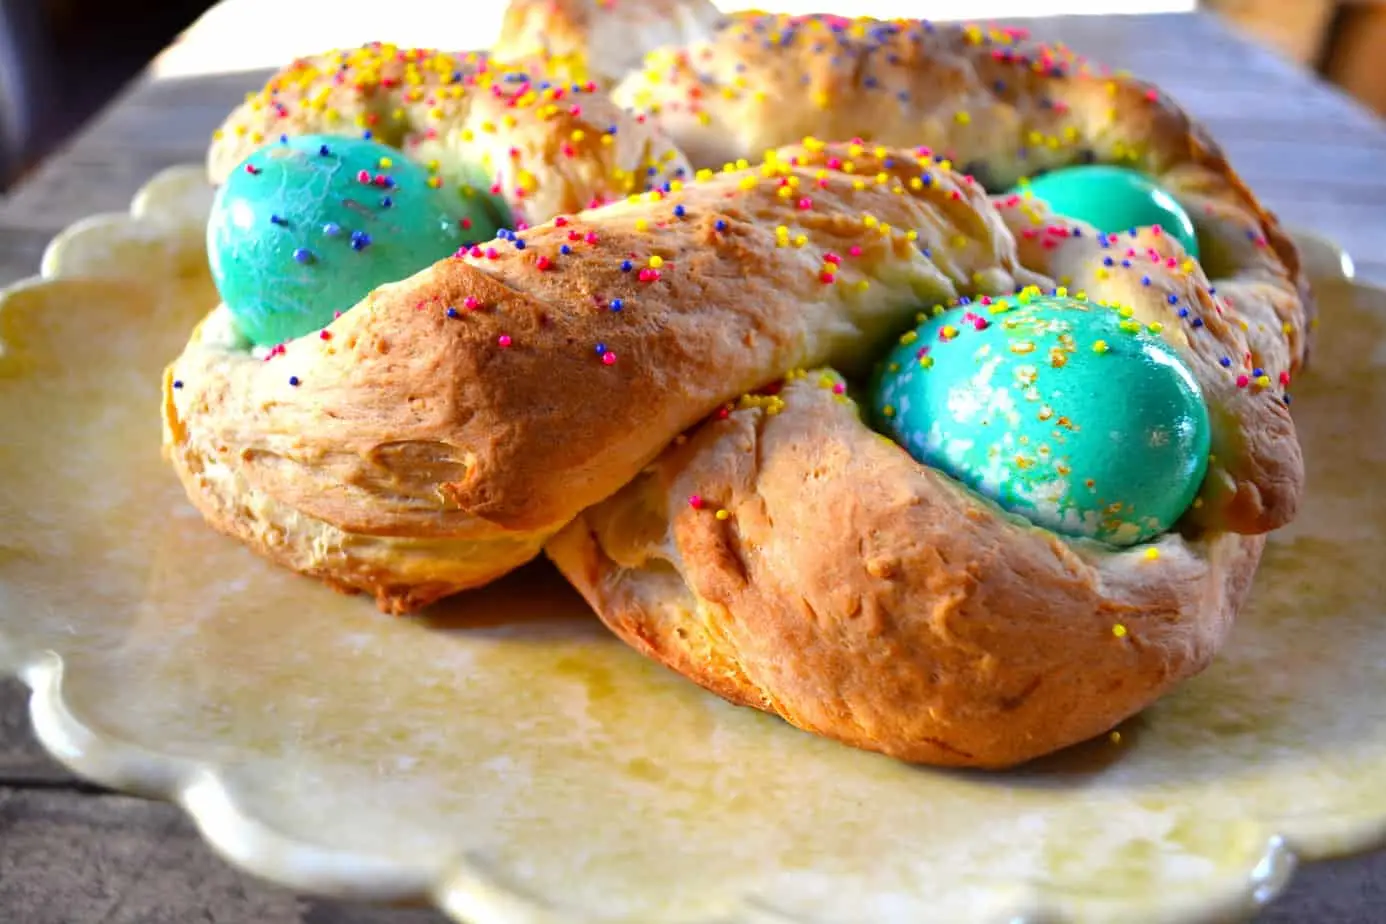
column 459, row 887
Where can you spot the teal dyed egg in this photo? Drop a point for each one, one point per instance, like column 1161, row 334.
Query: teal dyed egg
column 1060, row 411
column 308, row 226
column 1113, row 199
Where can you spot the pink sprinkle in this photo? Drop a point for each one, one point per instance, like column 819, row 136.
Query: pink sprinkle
column 543, row 262
column 560, row 222
column 827, row 278
column 471, row 303
column 839, row 388
column 1242, row 381
column 609, row 358
column 503, row 340
column 805, row 204
column 696, row 502
column 363, row 177
column 491, row 253
column 854, row 250
column 649, row 275
column 832, row 258
column 591, row 237
column 252, row 169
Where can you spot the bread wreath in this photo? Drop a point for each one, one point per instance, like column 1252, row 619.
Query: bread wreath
column 823, row 575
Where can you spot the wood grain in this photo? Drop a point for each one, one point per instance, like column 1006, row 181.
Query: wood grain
column 73, row 854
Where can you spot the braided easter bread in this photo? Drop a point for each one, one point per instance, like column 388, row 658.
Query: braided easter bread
column 599, row 40
column 544, row 148
column 1003, row 108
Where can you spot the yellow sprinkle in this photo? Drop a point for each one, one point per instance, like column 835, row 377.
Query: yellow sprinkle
column 962, row 118
column 656, row 261
column 1152, row 553
column 926, row 362
column 909, row 337
column 1100, row 346
column 721, row 514
column 1115, row 737
column 641, row 224
column 1119, row 630
column 888, row 410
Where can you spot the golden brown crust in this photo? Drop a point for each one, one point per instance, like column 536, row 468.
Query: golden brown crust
column 601, row 40
column 828, row 578
column 545, row 148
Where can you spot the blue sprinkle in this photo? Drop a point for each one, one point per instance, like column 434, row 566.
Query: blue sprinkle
column 1257, row 373
column 1126, row 264
column 360, row 240
column 294, row 381
column 303, row 255
column 367, row 134
column 680, row 211
column 283, row 139
column 276, row 220
column 177, row 383
column 601, row 349
column 386, row 202
column 452, row 312
column 1172, row 299
column 1145, row 280
column 928, row 255
column 323, row 151
column 1183, row 312
column 1226, row 362
column 612, row 129
column 565, row 250
column 519, row 244
column 1108, row 261
column 626, row 266
column 1197, row 322
column 721, row 225
column 617, row 304
column 1287, row 399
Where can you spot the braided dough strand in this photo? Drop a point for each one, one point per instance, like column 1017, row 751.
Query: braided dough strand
column 826, row 577
column 440, row 430
column 544, row 149
column 1003, row 108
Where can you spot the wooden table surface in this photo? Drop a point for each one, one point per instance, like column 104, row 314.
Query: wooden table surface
column 72, row 853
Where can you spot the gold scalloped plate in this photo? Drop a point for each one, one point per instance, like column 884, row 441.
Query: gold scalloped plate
column 509, row 760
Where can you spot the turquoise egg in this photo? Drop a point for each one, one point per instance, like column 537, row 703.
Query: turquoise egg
column 1061, row 411
column 1113, row 199
column 307, row 226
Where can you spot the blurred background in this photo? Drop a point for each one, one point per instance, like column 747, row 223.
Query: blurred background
column 61, row 61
